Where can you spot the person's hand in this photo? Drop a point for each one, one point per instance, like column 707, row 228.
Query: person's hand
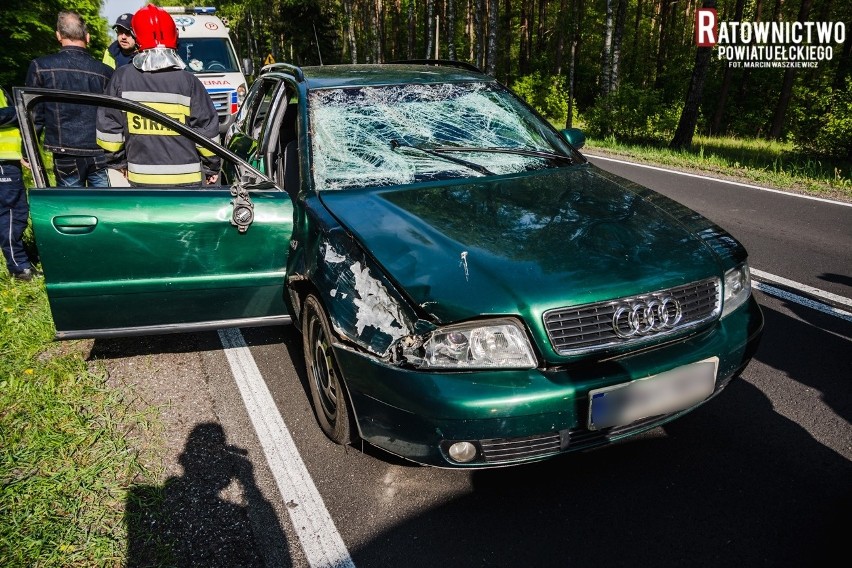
column 211, row 179
column 25, row 164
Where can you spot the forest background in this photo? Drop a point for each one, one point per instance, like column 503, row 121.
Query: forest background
column 626, row 70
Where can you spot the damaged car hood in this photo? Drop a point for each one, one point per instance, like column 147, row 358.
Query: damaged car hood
column 525, row 243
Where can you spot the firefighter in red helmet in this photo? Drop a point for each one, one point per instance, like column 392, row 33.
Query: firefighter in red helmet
column 147, row 154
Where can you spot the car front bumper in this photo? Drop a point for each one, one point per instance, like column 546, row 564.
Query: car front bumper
column 515, row 416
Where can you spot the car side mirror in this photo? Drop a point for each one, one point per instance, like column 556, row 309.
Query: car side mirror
column 248, row 66
column 574, row 136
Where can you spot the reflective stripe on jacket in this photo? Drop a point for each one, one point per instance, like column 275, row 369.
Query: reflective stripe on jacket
column 10, row 137
column 156, row 155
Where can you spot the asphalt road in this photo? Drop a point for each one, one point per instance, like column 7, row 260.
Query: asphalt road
column 761, row 476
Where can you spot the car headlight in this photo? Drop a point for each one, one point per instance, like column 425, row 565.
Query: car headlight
column 737, row 288
column 494, row 344
column 241, row 93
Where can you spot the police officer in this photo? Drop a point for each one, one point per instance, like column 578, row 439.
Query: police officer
column 121, row 51
column 157, row 78
column 14, row 209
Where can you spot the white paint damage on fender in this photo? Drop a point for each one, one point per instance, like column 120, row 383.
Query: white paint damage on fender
column 376, row 307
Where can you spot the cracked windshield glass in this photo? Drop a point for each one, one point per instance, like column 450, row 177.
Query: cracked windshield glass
column 393, row 135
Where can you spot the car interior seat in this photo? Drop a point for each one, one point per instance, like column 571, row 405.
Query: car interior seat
column 291, row 167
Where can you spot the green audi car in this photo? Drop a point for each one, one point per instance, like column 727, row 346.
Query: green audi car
column 470, row 290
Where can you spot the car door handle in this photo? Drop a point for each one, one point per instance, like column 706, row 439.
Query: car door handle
column 75, row 224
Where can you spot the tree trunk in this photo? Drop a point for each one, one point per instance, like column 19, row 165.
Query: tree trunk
column 542, row 22
column 606, row 52
column 477, row 38
column 560, row 39
column 689, row 117
column 523, row 49
column 377, row 15
column 787, row 84
column 491, row 51
column 663, row 39
column 451, row 29
column 350, row 30
column 634, row 52
column 617, row 38
column 429, row 27
column 576, row 10
column 506, row 40
column 716, row 124
column 411, row 28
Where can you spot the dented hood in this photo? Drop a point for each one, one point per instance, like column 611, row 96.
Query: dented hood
column 527, row 243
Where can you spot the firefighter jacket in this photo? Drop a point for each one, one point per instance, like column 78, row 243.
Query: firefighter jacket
column 10, row 136
column 156, row 155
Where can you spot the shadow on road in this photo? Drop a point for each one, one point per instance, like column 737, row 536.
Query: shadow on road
column 212, row 516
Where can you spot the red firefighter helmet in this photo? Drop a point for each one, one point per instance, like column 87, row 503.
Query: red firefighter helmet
column 154, row 27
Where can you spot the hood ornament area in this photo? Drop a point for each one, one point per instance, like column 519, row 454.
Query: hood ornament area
column 646, row 317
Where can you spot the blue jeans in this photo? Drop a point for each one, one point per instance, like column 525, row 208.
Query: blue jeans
column 80, row 171
column 14, row 212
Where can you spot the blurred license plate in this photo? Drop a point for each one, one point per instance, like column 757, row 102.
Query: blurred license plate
column 667, row 392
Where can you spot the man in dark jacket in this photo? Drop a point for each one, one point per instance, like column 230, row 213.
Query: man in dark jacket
column 121, row 51
column 70, row 128
column 154, row 155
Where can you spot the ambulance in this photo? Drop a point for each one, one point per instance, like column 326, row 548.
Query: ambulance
column 205, row 46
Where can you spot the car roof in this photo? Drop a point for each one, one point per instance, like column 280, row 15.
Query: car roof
column 334, row 76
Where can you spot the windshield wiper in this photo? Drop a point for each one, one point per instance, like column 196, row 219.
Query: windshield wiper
column 518, row 151
column 430, row 151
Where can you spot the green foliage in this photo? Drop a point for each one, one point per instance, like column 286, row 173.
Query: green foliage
column 28, row 29
column 755, row 160
column 822, row 121
column 632, row 113
column 65, row 462
column 547, row 94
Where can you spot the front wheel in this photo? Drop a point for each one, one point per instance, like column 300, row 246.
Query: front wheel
column 327, row 393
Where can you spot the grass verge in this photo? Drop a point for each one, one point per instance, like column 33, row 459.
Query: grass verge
column 65, row 460
column 762, row 162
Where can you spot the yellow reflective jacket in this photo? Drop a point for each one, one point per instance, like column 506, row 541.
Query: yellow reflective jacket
column 10, row 137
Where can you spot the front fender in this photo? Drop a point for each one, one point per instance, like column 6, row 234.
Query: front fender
column 363, row 305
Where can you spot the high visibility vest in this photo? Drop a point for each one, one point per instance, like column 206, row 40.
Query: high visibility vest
column 108, row 58
column 10, row 138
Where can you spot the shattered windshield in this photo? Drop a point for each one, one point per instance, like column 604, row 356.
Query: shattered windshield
column 400, row 134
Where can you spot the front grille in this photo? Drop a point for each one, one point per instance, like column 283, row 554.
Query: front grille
column 589, row 327
column 222, row 101
column 499, row 450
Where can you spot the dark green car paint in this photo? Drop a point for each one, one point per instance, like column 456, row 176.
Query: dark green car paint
column 440, row 252
column 158, row 257
column 410, row 413
column 510, row 227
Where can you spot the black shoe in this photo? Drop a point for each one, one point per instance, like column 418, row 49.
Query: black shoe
column 27, row 274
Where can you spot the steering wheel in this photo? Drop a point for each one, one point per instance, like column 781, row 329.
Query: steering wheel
column 214, row 65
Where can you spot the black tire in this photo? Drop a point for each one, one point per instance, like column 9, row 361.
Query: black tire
column 327, row 392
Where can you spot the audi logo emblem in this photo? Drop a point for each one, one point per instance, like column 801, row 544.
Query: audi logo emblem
column 644, row 317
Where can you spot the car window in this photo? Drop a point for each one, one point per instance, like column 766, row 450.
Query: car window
column 125, row 148
column 207, row 55
column 375, row 136
column 265, row 97
column 254, row 110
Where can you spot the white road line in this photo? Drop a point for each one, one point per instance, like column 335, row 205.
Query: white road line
column 707, row 177
column 801, row 287
column 807, row 302
column 322, row 544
